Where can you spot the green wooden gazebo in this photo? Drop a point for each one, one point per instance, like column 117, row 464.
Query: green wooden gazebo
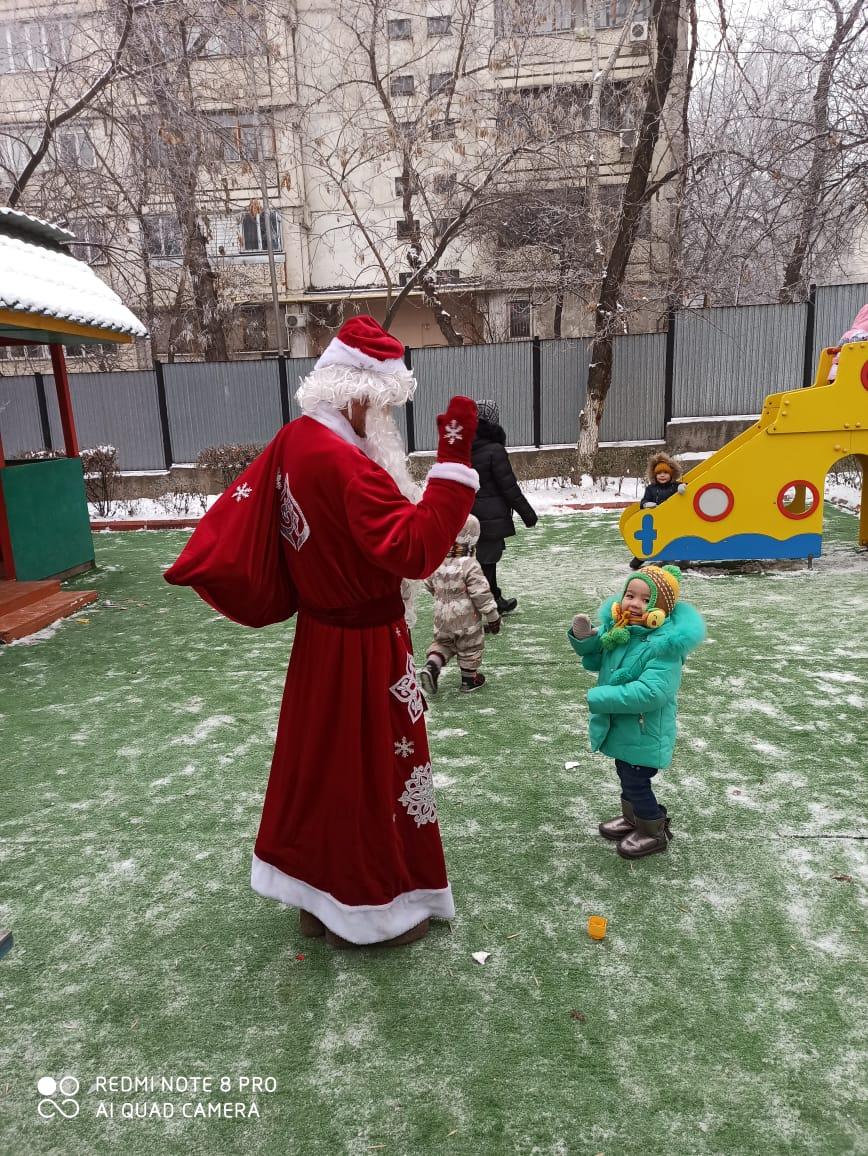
column 50, row 297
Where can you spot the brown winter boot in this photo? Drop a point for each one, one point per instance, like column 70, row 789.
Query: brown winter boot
column 309, row 925
column 414, row 933
column 617, row 828
column 648, row 837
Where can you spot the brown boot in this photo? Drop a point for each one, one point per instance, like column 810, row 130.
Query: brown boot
column 309, row 925
column 617, row 828
column 414, row 933
column 648, row 837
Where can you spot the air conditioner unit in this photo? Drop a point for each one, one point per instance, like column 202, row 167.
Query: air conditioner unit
column 639, row 32
column 296, row 320
column 627, row 139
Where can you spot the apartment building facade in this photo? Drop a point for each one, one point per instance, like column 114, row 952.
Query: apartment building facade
column 254, row 171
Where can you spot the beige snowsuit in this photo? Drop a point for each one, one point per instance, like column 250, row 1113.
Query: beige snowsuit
column 462, row 599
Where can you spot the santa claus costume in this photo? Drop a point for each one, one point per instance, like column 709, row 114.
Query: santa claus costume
column 318, row 525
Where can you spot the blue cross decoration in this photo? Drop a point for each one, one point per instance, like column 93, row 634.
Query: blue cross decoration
column 647, row 536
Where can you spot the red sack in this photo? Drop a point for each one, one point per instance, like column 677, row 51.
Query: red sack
column 234, row 559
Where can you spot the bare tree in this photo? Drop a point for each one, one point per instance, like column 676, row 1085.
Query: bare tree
column 639, row 188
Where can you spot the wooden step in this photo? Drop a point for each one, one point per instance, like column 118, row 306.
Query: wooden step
column 14, row 595
column 37, row 615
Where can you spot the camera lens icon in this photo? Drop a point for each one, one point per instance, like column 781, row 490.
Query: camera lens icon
column 66, row 1087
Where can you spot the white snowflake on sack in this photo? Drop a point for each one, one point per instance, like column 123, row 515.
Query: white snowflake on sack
column 406, row 690
column 418, row 797
column 404, row 748
column 241, row 492
column 293, row 524
column 454, row 432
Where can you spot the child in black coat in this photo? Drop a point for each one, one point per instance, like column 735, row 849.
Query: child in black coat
column 664, row 480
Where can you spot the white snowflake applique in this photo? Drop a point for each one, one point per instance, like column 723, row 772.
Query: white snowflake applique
column 241, row 492
column 404, row 748
column 418, row 798
column 406, row 690
column 454, row 432
column 293, row 524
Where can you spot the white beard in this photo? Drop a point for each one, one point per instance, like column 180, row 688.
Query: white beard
column 385, row 447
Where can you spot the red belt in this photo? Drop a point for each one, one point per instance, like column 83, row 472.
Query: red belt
column 377, row 612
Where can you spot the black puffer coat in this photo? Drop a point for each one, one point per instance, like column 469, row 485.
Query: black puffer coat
column 499, row 492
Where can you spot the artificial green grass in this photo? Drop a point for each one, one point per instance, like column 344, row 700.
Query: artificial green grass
column 723, row 1013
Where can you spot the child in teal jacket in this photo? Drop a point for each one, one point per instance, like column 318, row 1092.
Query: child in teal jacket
column 639, row 650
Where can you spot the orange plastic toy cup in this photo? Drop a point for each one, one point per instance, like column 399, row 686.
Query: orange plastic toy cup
column 597, row 927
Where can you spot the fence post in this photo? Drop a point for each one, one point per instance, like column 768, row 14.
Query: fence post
column 43, row 412
column 408, row 408
column 669, row 369
column 810, row 322
column 164, row 414
column 284, row 389
column 537, row 391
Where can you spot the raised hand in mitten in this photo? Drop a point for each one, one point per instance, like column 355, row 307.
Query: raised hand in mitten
column 457, row 429
column 682, row 488
column 582, row 626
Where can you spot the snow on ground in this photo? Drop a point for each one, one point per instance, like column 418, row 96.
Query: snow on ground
column 547, row 495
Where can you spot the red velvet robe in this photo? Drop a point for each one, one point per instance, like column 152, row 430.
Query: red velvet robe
column 349, row 825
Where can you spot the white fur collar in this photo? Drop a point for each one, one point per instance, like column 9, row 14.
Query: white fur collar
column 338, row 423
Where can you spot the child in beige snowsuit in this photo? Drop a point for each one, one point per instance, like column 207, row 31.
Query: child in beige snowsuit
column 462, row 601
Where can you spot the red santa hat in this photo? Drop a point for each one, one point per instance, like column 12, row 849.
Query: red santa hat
column 361, row 362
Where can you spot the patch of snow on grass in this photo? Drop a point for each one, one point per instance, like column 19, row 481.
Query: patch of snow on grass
column 203, row 730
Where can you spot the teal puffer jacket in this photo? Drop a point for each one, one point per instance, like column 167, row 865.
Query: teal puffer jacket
column 632, row 706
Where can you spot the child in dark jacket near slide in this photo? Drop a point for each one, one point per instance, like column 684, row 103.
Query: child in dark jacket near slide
column 638, row 651
column 664, row 480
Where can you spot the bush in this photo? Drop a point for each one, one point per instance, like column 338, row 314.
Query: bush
column 100, row 477
column 229, row 460
column 182, row 498
column 40, row 455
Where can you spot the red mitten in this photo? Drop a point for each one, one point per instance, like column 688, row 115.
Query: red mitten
column 457, row 430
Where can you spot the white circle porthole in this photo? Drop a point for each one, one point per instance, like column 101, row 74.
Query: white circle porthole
column 798, row 499
column 713, row 502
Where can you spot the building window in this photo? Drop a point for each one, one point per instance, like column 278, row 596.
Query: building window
column 253, row 328
column 34, row 46
column 406, row 230
column 90, row 241
column 399, row 29
column 255, row 232
column 443, row 183
column 443, row 130
column 613, row 13
column 439, row 25
column 402, row 85
column 92, row 349
column 162, row 236
column 237, row 138
column 440, row 225
column 519, row 318
column 17, row 352
column 74, row 149
column 448, row 276
column 538, row 18
column 400, row 185
column 239, row 34
column 439, row 82
column 403, row 278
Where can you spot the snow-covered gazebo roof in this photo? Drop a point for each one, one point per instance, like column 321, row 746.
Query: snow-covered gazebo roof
column 47, row 295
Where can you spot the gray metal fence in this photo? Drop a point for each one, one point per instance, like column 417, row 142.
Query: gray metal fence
column 500, row 372
column 727, row 360
column 724, row 362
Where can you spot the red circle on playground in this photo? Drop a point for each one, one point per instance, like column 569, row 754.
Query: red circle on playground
column 712, row 490
column 864, row 375
column 812, row 490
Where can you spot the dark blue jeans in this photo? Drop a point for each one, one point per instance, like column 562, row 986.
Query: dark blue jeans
column 636, row 789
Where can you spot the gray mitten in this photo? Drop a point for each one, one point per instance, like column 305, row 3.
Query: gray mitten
column 582, row 626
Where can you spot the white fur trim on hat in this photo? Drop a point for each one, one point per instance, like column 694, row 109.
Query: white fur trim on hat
column 338, row 353
column 455, row 472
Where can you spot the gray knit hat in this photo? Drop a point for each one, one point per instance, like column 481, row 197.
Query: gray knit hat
column 489, row 412
column 468, row 535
